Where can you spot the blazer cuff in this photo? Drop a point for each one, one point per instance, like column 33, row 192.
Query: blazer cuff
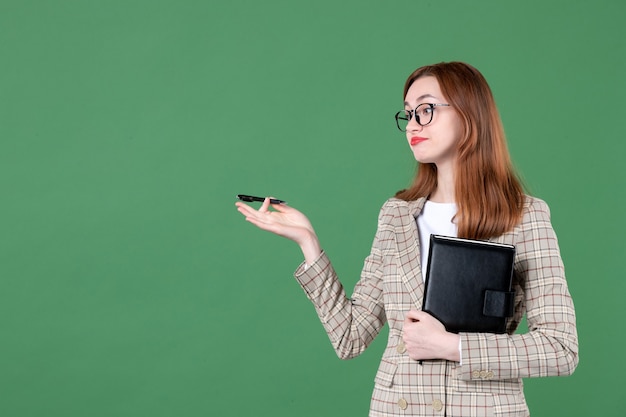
column 312, row 277
column 303, row 267
column 473, row 367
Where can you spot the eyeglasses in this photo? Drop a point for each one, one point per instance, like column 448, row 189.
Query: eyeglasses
column 423, row 115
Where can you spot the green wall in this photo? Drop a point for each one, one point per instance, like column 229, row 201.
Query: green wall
column 129, row 284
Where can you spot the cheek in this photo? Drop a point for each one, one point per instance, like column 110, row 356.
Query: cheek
column 456, row 131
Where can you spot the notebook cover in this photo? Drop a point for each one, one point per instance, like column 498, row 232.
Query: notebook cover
column 460, row 273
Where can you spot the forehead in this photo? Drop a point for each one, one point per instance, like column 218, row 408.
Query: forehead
column 422, row 90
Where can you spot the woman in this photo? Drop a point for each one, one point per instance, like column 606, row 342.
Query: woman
column 465, row 186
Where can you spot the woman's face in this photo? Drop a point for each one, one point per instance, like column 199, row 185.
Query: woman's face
column 436, row 142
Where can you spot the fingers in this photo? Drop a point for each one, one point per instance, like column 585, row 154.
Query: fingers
column 253, row 216
column 250, row 211
column 414, row 315
column 265, row 205
column 283, row 207
column 280, row 219
column 263, row 218
column 245, row 209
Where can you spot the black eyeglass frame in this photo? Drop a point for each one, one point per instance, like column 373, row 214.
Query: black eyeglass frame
column 413, row 113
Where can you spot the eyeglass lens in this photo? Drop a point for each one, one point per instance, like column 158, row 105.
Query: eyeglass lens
column 423, row 115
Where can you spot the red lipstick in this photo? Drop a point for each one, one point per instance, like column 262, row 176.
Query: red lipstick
column 416, row 139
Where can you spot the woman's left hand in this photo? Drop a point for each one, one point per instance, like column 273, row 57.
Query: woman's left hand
column 425, row 337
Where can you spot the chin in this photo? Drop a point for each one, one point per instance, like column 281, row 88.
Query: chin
column 422, row 159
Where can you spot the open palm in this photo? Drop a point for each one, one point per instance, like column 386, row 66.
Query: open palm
column 284, row 220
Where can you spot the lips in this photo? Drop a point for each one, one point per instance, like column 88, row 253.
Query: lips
column 417, row 139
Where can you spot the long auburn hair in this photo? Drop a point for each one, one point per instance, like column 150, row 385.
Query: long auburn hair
column 489, row 195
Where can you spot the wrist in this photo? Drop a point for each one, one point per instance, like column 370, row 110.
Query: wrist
column 311, row 248
column 452, row 347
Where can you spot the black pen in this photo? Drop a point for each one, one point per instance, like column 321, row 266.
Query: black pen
column 250, row 198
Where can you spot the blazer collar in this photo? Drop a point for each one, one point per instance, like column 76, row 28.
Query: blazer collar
column 409, row 249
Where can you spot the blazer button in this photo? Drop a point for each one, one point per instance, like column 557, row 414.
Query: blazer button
column 402, row 404
column 437, row 405
column 401, row 348
column 475, row 374
column 490, row 375
column 483, row 374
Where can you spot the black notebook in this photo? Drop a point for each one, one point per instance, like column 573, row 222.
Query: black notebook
column 468, row 284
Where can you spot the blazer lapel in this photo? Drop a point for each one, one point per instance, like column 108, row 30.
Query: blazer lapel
column 407, row 241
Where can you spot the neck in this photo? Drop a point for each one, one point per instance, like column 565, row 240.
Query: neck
column 444, row 193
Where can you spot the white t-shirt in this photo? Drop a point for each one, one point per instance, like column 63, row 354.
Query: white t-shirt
column 435, row 219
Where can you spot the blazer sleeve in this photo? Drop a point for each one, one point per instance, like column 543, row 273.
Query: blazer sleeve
column 550, row 348
column 351, row 323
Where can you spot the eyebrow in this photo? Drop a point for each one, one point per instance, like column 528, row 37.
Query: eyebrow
column 420, row 98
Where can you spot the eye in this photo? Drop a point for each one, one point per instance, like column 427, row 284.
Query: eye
column 425, row 110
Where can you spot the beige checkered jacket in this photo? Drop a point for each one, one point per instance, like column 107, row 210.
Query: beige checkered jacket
column 489, row 380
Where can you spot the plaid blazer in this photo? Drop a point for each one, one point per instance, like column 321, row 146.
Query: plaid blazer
column 488, row 381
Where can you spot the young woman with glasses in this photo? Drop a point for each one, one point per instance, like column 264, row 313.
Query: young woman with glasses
column 465, row 187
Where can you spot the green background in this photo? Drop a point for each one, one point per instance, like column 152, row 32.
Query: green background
column 129, row 284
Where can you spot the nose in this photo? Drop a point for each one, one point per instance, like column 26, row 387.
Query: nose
column 412, row 125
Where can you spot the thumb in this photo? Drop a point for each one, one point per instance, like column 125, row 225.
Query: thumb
column 283, row 207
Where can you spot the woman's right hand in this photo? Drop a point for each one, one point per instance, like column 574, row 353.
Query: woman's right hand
column 287, row 222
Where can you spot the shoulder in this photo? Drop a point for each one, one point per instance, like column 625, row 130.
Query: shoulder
column 391, row 210
column 393, row 203
column 535, row 208
column 402, row 207
column 398, row 215
column 536, row 219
